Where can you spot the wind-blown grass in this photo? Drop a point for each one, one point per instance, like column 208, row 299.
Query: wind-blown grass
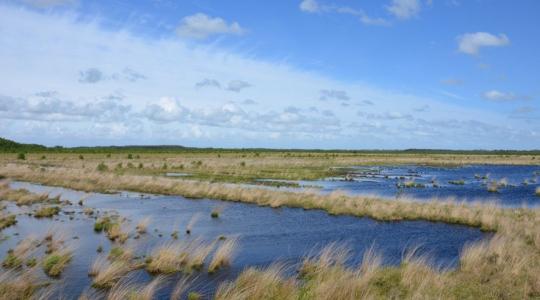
column 507, row 266
column 223, row 255
column 54, row 263
column 7, row 220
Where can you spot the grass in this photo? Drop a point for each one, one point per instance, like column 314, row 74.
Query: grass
column 142, row 226
column 507, row 266
column 216, row 211
column 120, row 253
column 184, row 256
column 106, row 273
column 16, row 257
column 537, row 192
column 19, row 285
column 255, row 283
column 223, row 255
column 112, row 228
column 7, row 221
column 47, row 212
column 54, row 263
column 125, row 290
column 457, row 182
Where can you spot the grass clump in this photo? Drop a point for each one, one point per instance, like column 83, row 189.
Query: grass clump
column 102, row 167
column 21, row 156
column 223, row 255
column 457, row 182
column 106, row 273
column 119, row 253
column 47, row 212
column 54, row 263
column 11, row 261
column 216, row 211
column 194, row 296
column 142, row 226
column 7, row 221
column 537, row 192
column 125, row 290
column 103, row 224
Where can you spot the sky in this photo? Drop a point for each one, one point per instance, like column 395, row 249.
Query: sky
column 326, row 74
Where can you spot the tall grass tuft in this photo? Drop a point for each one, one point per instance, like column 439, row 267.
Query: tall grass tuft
column 223, row 255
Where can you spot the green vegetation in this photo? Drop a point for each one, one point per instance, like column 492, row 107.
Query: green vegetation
column 47, row 212
column 457, row 182
column 194, row 296
column 11, row 261
column 54, row 263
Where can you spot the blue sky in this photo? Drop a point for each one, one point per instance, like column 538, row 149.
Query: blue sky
column 387, row 74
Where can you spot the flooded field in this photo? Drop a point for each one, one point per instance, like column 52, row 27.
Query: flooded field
column 504, row 184
column 265, row 235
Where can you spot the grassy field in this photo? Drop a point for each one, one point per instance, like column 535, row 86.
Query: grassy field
column 505, row 267
column 244, row 166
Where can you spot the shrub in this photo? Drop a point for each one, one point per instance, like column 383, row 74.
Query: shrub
column 21, row 156
column 102, row 167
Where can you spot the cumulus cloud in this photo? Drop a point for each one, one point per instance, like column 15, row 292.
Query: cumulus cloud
column 498, row 96
column 471, row 43
column 237, row 85
column 201, row 26
column 333, row 95
column 49, row 106
column 404, row 9
column 167, row 109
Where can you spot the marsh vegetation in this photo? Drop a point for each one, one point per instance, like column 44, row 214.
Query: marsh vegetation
column 334, row 272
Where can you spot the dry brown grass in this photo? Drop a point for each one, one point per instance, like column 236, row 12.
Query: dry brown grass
column 15, row 285
column 223, row 255
column 107, row 273
column 183, row 256
column 142, row 226
column 506, row 267
column 255, row 283
column 126, row 290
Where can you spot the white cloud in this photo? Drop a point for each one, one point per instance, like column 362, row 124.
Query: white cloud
column 310, row 6
column 471, row 43
column 495, row 95
column 45, row 103
column 167, row 109
column 201, row 26
column 404, row 9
